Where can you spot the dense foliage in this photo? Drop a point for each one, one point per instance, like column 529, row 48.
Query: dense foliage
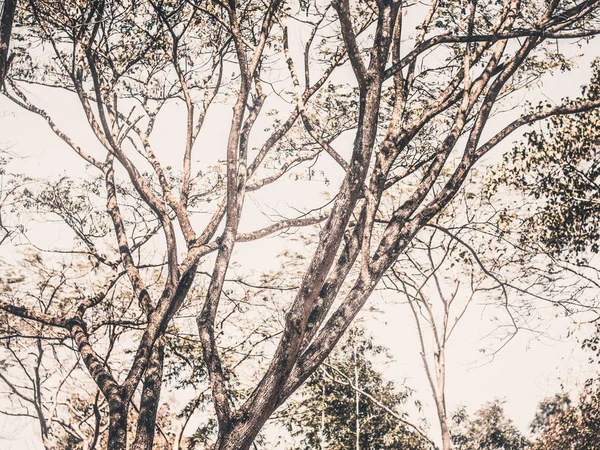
column 490, row 429
column 348, row 403
column 557, row 166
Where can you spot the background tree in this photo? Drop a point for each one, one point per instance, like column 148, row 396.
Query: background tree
column 555, row 171
column 347, row 403
column 574, row 427
column 562, row 425
column 464, row 265
column 489, row 429
column 556, row 167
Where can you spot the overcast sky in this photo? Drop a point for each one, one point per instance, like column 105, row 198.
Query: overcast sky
column 525, row 371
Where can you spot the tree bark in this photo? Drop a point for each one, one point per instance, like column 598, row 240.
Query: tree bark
column 8, row 15
column 146, row 425
column 446, row 441
column 117, row 427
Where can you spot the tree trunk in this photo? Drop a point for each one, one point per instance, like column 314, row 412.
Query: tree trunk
column 241, row 434
column 117, row 427
column 446, row 442
column 146, row 425
column 236, row 441
column 441, row 400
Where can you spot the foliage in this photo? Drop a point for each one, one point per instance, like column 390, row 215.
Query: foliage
column 490, row 429
column 561, row 425
column 557, row 166
column 548, row 408
column 572, row 428
column 330, row 407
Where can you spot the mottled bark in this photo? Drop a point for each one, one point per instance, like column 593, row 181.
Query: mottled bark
column 146, row 425
column 6, row 24
column 117, row 427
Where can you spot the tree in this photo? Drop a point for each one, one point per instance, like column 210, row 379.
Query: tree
column 7, row 15
column 556, row 166
column 562, row 425
column 489, row 430
column 574, row 427
column 347, row 404
column 422, row 280
column 464, row 261
column 549, row 408
column 417, row 124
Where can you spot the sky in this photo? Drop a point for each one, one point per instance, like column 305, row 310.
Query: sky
column 528, row 369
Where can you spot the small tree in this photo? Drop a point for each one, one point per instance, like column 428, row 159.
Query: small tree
column 573, row 428
column 489, row 430
column 347, row 404
column 563, row 426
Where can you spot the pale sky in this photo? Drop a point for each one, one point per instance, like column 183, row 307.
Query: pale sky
column 523, row 373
